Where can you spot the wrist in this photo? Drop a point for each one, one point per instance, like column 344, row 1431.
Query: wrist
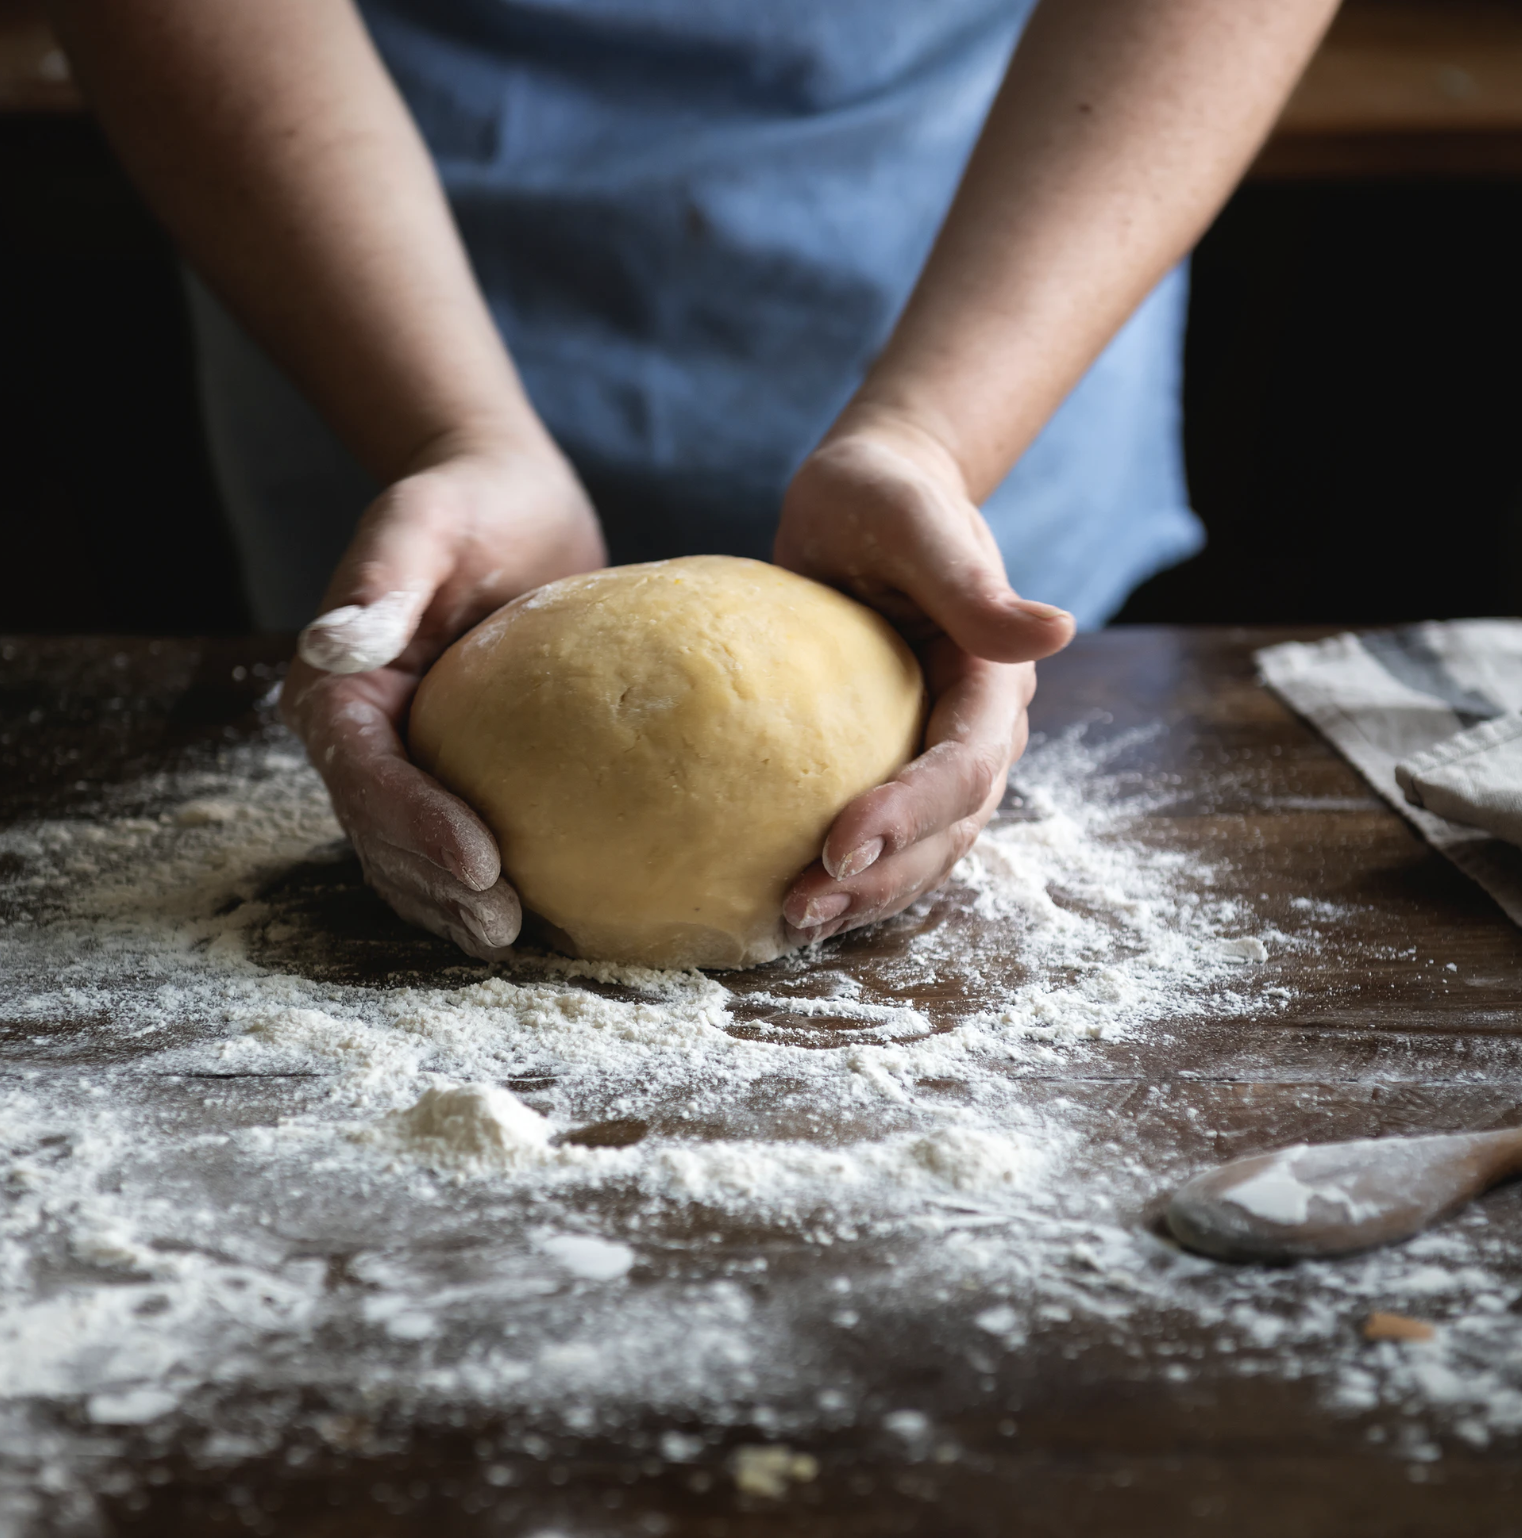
column 915, row 436
column 501, row 439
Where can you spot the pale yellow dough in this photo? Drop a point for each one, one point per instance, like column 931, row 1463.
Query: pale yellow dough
column 660, row 749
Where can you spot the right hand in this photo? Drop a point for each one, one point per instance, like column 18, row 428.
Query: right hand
column 881, row 511
column 438, row 551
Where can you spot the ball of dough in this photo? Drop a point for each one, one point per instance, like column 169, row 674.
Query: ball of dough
column 660, row 749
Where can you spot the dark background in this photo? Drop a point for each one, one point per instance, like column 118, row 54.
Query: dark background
column 1352, row 404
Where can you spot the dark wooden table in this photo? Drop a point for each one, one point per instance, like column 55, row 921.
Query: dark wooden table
column 1150, row 1426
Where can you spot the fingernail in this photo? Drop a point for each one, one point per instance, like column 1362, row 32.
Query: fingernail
column 358, row 637
column 827, row 907
column 1038, row 611
column 494, row 918
column 859, row 859
column 489, row 931
column 450, row 860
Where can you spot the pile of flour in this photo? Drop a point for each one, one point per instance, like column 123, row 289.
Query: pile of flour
column 571, row 1190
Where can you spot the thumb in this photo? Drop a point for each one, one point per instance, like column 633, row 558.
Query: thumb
column 959, row 583
column 398, row 559
column 880, row 521
column 354, row 638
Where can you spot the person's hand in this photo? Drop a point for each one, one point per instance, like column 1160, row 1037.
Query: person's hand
column 438, row 551
column 880, row 510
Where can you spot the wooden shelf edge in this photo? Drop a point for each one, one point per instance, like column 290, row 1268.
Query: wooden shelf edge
column 1495, row 156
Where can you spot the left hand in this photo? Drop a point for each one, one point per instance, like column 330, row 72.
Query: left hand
column 472, row 526
column 881, row 511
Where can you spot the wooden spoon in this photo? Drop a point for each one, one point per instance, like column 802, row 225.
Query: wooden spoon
column 1320, row 1200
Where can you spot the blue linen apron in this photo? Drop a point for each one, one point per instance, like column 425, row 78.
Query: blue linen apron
column 695, row 222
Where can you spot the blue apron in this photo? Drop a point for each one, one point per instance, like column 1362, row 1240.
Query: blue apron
column 695, row 222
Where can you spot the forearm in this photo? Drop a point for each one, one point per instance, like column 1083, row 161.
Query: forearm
column 1121, row 128
column 270, row 140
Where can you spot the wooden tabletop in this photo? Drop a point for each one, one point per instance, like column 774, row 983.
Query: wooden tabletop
column 1388, row 1005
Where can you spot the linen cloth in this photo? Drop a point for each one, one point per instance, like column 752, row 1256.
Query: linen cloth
column 696, row 222
column 1474, row 777
column 1431, row 715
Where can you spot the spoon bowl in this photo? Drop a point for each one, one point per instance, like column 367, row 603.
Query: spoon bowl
column 1324, row 1200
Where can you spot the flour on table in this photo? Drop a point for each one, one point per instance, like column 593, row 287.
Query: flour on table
column 476, row 1128
column 237, row 1181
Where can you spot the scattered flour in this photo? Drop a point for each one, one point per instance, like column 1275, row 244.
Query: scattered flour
column 1283, row 1190
column 240, row 1169
column 469, row 1128
column 589, row 1257
column 1275, row 1194
column 768, row 1470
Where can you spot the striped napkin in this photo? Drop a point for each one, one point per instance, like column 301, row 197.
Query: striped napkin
column 1431, row 715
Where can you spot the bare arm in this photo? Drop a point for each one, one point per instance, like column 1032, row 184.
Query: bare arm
column 272, row 143
column 1121, row 128
column 269, row 138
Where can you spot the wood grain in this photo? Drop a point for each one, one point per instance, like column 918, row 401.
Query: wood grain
column 1073, row 1433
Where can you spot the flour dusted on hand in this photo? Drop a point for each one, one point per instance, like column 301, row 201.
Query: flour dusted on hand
column 661, row 749
column 358, row 637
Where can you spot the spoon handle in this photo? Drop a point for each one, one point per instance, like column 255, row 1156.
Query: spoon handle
column 1505, row 1153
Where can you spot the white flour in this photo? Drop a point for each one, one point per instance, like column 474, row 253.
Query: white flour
column 245, row 1177
column 359, row 637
